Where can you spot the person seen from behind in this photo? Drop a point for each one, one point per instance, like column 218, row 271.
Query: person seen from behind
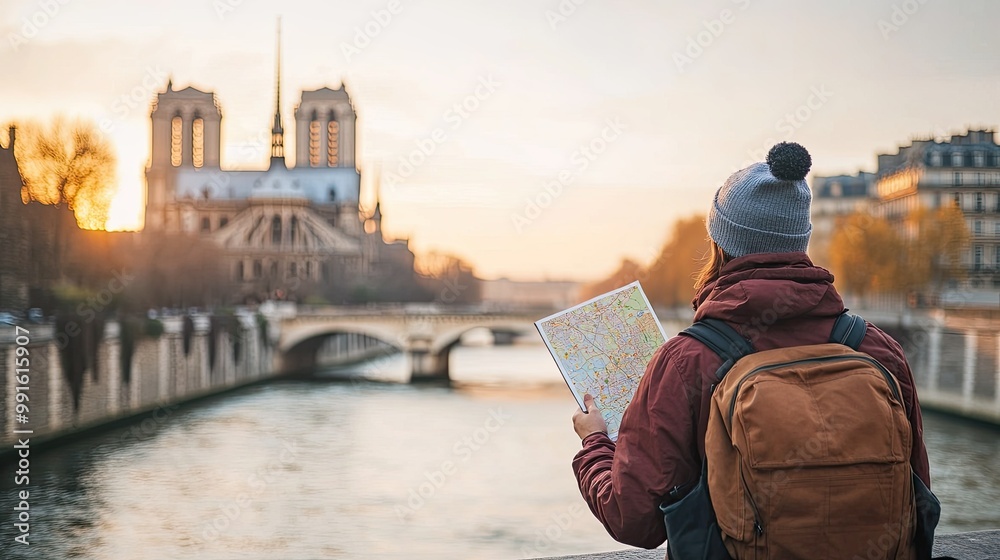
column 814, row 469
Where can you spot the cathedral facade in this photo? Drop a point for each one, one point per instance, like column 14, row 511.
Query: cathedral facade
column 284, row 231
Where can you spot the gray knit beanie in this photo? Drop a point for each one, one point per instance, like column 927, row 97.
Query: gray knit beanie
column 764, row 208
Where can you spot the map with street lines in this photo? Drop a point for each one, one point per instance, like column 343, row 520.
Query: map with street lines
column 602, row 347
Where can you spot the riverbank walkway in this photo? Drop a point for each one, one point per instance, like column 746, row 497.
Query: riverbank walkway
column 979, row 545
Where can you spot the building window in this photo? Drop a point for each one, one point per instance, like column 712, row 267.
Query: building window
column 977, row 227
column 206, row 224
column 977, row 258
column 957, row 180
column 240, row 273
column 223, row 221
column 258, row 270
column 979, row 159
column 332, row 142
column 980, row 178
column 332, row 194
column 980, row 207
column 996, row 257
column 956, row 159
column 293, row 269
column 958, row 200
column 198, row 142
column 276, row 230
column 325, row 272
column 935, row 159
column 176, row 140
column 314, row 127
column 274, row 269
column 309, row 268
column 293, row 229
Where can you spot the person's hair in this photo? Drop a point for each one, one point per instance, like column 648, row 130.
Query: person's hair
column 715, row 259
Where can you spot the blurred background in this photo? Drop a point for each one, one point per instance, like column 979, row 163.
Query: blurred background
column 277, row 264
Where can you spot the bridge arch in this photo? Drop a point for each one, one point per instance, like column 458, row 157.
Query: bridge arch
column 426, row 335
column 297, row 334
column 299, row 345
column 448, row 338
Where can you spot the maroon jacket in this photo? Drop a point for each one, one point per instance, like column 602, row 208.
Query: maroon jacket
column 775, row 300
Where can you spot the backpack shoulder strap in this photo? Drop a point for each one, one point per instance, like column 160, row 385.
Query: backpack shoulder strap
column 721, row 339
column 849, row 329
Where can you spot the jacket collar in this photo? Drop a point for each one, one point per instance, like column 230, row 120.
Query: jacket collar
column 781, row 284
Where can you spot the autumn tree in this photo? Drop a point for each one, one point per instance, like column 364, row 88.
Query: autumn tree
column 669, row 280
column 628, row 271
column 872, row 255
column 68, row 163
column 939, row 237
column 868, row 255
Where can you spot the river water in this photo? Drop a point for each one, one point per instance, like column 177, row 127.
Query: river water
column 303, row 470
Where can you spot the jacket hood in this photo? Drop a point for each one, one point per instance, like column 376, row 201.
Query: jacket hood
column 777, row 285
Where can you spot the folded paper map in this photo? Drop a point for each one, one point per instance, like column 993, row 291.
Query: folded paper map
column 602, row 347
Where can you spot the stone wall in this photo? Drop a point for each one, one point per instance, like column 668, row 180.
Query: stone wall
column 160, row 374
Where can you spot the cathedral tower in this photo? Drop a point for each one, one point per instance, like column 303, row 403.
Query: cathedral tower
column 187, row 133
column 324, row 129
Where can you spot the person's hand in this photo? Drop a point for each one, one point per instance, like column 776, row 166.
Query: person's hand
column 590, row 422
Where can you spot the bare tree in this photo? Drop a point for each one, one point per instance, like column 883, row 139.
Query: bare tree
column 449, row 279
column 69, row 163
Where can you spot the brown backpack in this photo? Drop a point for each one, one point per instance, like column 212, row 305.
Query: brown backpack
column 807, row 453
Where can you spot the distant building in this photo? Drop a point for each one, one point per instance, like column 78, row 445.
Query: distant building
column 280, row 226
column 963, row 171
column 543, row 294
column 13, row 231
column 29, row 238
column 835, row 196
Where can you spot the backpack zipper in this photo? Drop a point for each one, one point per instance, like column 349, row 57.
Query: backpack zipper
column 890, row 380
column 758, row 529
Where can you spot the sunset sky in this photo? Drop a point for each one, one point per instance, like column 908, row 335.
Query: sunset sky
column 847, row 79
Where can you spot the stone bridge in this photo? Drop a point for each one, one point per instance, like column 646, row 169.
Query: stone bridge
column 426, row 333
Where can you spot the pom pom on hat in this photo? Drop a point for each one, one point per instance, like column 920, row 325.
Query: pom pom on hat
column 789, row 161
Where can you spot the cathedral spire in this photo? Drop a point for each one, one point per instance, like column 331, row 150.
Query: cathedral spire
column 277, row 133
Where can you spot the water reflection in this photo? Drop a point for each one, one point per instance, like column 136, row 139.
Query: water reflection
column 345, row 470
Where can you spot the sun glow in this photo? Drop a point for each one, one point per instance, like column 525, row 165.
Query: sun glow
column 131, row 145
